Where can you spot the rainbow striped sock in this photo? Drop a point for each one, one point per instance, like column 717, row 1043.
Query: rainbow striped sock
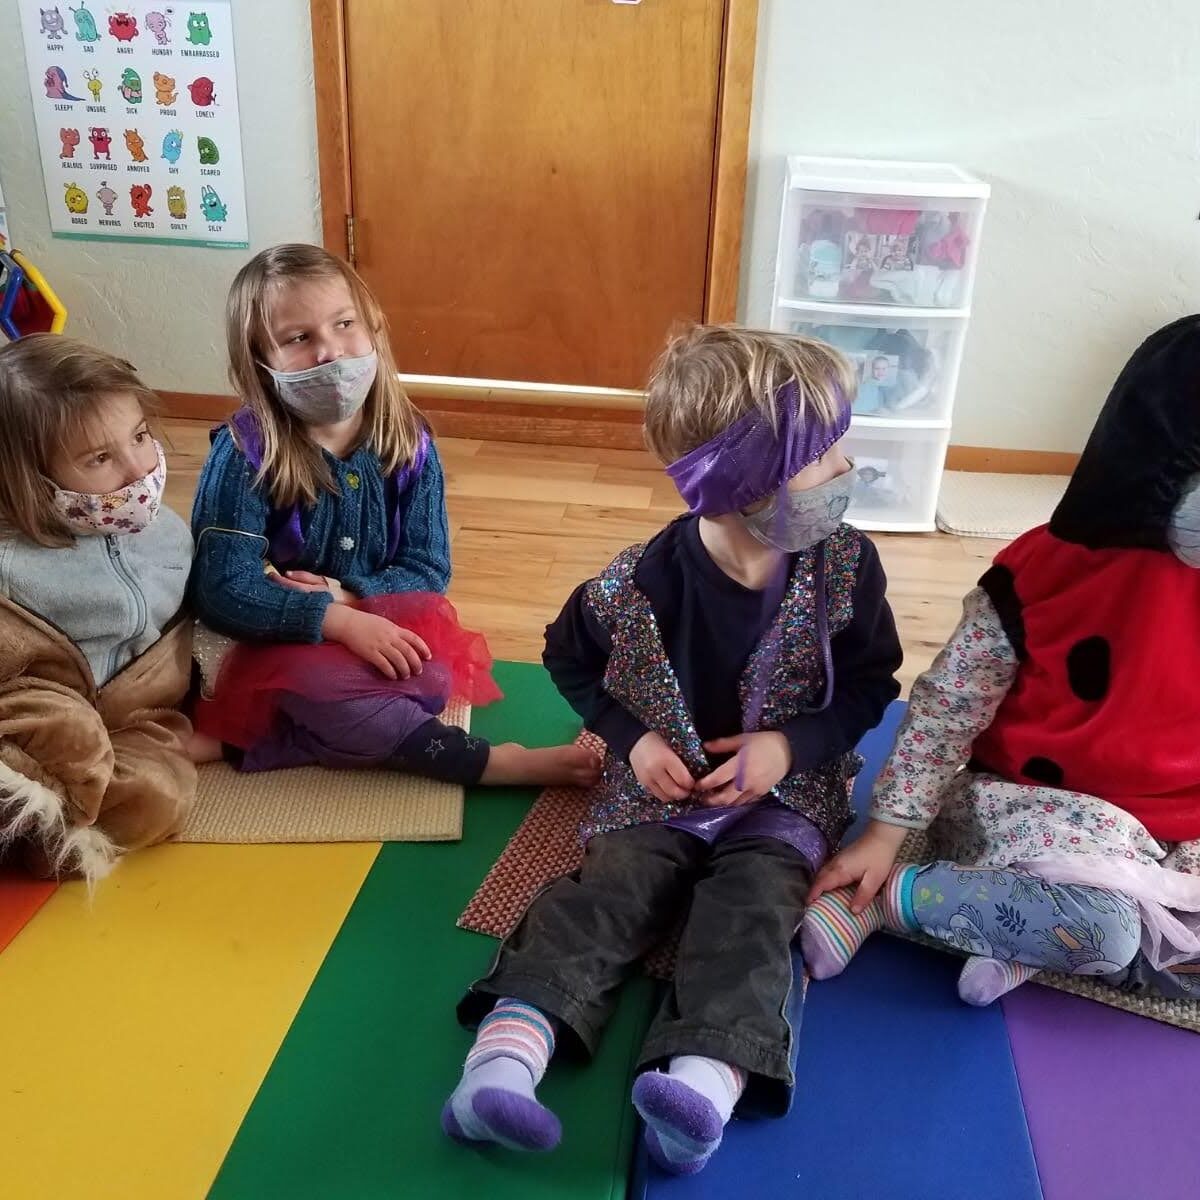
column 832, row 932
column 983, row 980
column 495, row 1100
column 514, row 1029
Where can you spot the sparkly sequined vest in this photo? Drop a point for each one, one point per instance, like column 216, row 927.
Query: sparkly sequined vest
column 641, row 677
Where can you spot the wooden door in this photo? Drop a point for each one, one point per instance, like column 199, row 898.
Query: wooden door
column 531, row 180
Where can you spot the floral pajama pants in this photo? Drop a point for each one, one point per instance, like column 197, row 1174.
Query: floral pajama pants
column 1071, row 928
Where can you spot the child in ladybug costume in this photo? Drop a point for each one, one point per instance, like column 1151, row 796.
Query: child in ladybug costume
column 1053, row 748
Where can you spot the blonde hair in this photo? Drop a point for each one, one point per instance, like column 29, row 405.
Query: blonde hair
column 50, row 389
column 292, row 467
column 709, row 376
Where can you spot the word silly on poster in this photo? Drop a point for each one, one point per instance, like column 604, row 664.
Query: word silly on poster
column 137, row 120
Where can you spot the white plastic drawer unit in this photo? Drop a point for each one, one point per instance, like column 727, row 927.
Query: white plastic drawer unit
column 906, row 365
column 877, row 233
column 897, row 474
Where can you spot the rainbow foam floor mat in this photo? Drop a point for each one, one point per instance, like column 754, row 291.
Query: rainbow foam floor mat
column 253, row 1022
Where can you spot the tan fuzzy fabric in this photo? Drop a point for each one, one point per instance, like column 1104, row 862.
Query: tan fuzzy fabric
column 113, row 759
column 312, row 804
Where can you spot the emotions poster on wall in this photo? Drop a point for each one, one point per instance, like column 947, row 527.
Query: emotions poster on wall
column 136, row 111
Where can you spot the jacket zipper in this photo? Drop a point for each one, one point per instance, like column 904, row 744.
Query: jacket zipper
column 139, row 599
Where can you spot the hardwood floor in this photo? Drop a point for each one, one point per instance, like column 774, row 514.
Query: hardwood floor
column 528, row 523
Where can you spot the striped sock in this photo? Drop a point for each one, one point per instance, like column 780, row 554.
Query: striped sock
column 495, row 1100
column 686, row 1109
column 983, row 980
column 832, row 932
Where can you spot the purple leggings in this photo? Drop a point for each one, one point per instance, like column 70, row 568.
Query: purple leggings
column 392, row 731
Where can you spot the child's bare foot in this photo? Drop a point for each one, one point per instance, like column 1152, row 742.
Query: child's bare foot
column 203, row 749
column 573, row 766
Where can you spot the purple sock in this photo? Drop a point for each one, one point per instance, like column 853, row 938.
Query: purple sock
column 685, row 1111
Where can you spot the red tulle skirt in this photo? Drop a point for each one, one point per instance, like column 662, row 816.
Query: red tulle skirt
column 255, row 677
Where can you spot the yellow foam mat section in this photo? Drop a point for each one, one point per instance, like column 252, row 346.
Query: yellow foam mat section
column 136, row 1026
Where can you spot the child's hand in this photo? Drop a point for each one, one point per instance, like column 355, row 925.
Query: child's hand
column 398, row 653
column 866, row 861
column 759, row 762
column 659, row 769
column 306, row 581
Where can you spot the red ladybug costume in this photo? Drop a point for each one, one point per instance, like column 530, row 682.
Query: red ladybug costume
column 1105, row 620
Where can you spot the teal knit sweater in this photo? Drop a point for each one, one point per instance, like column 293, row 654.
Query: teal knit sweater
column 345, row 536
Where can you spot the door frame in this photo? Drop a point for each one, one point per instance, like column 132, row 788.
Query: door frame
column 731, row 146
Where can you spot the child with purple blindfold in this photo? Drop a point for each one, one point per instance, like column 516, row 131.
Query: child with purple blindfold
column 731, row 665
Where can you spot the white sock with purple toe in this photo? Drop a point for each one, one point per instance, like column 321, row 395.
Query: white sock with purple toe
column 686, row 1109
column 495, row 1100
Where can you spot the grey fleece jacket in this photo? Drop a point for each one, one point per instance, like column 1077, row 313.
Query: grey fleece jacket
column 112, row 595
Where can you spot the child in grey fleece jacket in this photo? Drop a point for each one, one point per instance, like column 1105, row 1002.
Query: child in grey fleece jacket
column 94, row 651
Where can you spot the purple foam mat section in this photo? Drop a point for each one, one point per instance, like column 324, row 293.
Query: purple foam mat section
column 1112, row 1100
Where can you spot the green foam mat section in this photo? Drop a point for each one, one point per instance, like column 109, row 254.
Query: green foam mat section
column 350, row 1106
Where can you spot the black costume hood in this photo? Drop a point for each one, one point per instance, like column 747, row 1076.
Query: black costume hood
column 1143, row 450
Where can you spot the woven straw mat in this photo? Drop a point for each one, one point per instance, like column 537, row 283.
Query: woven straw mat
column 312, row 804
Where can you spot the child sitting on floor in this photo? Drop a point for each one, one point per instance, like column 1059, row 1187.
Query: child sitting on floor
column 329, row 473
column 1053, row 748
column 95, row 654
column 731, row 665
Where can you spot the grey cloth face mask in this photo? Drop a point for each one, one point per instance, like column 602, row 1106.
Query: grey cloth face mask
column 329, row 392
column 1183, row 533
column 794, row 521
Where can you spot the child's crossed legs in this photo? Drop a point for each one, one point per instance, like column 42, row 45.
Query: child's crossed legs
column 1011, row 923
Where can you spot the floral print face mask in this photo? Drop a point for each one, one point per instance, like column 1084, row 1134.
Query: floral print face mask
column 128, row 510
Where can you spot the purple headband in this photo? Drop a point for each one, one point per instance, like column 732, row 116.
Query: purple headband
column 749, row 461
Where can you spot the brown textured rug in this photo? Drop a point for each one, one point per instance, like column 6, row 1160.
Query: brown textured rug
column 312, row 804
column 546, row 845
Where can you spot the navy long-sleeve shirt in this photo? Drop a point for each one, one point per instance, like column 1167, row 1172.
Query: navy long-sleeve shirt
column 345, row 537
column 710, row 625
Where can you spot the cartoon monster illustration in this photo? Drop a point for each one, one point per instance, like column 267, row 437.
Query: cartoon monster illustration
column 136, row 145
column 209, row 154
column 202, row 92
column 69, row 139
column 164, row 89
column 53, row 24
column 101, row 141
column 108, row 198
column 139, row 197
column 199, row 34
column 177, row 203
column 157, row 23
column 85, row 25
column 172, row 146
column 211, row 205
column 56, row 85
column 76, row 198
column 94, row 84
column 131, row 86
column 123, row 27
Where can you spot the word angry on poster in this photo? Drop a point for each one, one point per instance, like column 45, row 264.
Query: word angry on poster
column 136, row 111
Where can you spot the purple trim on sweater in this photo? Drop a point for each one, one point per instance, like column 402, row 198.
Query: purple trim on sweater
column 284, row 531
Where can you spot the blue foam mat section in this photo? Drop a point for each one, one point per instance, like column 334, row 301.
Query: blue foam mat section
column 903, row 1092
column 874, row 748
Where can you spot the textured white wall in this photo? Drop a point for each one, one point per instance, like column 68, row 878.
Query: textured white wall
column 161, row 305
column 1085, row 118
